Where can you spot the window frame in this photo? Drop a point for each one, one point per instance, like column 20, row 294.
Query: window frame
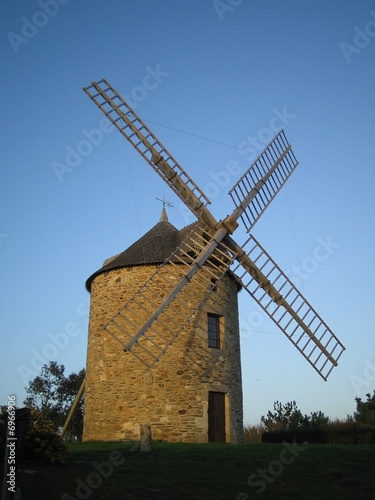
column 214, row 327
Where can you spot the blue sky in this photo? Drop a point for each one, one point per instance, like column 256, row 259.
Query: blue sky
column 209, row 77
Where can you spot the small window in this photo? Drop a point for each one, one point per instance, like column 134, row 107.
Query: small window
column 213, row 327
column 214, row 283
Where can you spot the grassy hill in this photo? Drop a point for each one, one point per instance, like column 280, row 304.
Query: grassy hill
column 204, row 471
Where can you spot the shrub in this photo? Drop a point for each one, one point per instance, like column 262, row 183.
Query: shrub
column 253, row 433
column 300, row 435
column 350, row 432
column 337, row 432
column 365, row 413
column 284, row 416
column 42, row 443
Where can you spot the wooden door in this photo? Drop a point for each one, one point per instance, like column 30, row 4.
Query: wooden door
column 216, row 417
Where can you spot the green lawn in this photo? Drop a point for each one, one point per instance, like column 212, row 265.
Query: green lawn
column 205, row 471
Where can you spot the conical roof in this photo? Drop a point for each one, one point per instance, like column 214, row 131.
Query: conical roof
column 153, row 248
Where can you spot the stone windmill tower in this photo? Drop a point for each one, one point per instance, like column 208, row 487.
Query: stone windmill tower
column 195, row 393
column 170, row 302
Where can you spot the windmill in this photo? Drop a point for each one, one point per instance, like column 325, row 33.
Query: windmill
column 208, row 252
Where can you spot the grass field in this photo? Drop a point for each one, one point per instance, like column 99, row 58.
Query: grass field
column 205, row 471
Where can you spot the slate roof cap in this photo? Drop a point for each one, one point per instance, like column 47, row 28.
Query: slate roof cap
column 155, row 247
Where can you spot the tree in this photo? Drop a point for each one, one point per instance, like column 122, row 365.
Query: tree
column 285, row 417
column 42, row 443
column 365, row 410
column 43, row 393
column 52, row 394
column 317, row 419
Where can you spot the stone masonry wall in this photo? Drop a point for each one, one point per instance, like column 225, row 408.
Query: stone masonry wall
column 122, row 393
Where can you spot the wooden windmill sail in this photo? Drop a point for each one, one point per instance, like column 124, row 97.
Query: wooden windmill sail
column 148, row 322
column 211, row 250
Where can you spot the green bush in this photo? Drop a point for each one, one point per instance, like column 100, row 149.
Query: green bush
column 338, row 432
column 42, row 443
column 350, row 432
column 253, row 433
column 300, row 435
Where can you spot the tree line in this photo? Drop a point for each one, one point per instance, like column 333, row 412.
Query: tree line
column 52, row 394
column 288, row 416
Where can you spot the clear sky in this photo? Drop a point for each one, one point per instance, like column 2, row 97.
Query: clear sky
column 212, row 79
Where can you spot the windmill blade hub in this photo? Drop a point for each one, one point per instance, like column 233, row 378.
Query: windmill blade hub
column 229, row 223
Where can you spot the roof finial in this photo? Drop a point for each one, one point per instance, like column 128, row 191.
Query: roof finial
column 163, row 215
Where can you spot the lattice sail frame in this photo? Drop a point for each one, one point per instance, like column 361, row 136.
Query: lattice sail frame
column 290, row 310
column 265, row 177
column 148, row 146
column 251, row 195
column 141, row 325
